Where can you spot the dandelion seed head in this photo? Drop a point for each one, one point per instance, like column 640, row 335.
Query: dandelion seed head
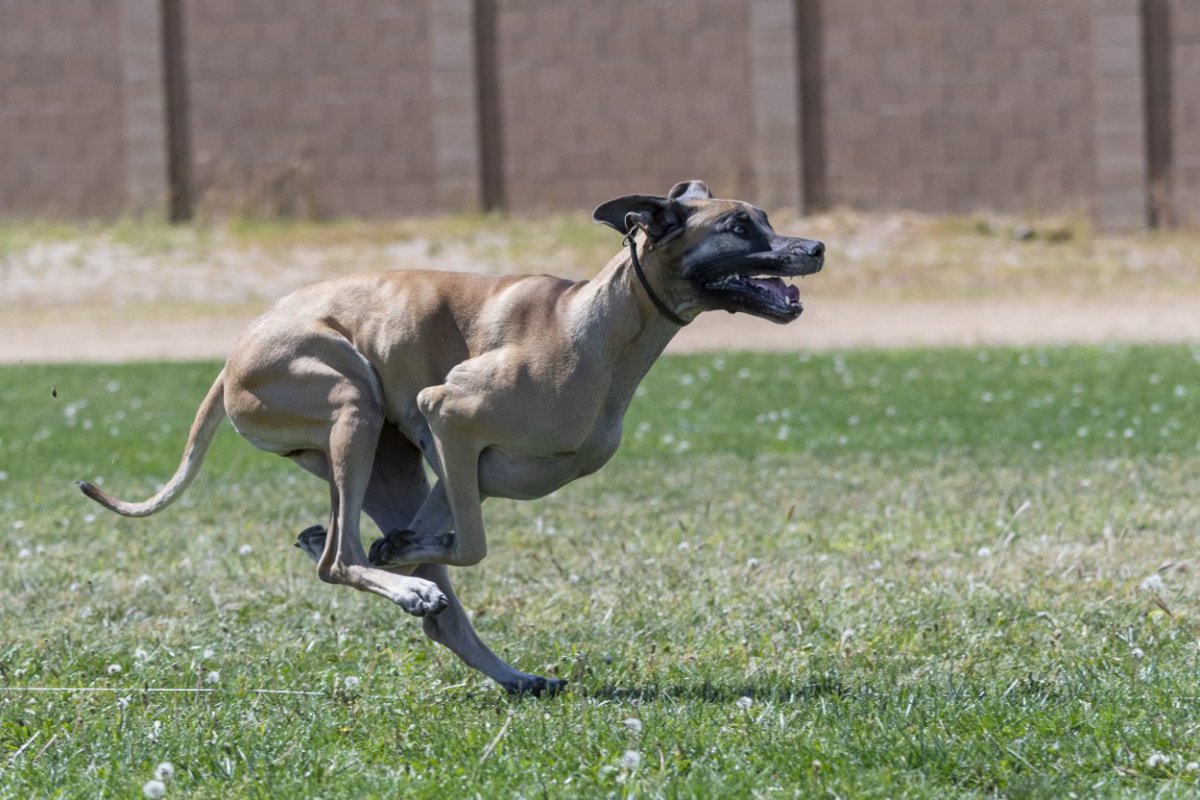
column 245, row 550
column 113, row 669
column 164, row 771
column 1158, row 760
column 744, row 702
column 1138, row 653
column 154, row 789
column 1152, row 583
column 634, row 725
column 631, row 760
column 351, row 681
column 212, row 676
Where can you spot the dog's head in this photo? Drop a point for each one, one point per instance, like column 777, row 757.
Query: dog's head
column 702, row 253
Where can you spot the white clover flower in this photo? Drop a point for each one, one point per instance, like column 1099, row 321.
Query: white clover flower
column 164, row 771
column 744, row 702
column 212, row 676
column 154, row 789
column 113, row 669
column 634, row 725
column 631, row 760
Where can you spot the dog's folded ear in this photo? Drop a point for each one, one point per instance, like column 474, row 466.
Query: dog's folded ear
column 690, row 190
column 659, row 217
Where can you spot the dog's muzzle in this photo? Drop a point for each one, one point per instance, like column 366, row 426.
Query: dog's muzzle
column 754, row 283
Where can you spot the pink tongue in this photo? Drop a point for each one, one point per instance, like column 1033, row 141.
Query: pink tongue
column 782, row 291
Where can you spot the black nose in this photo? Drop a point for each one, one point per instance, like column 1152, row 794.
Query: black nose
column 815, row 249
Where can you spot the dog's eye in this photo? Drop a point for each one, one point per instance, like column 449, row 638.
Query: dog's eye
column 740, row 229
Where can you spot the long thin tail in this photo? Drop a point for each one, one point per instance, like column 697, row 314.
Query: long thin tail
column 208, row 417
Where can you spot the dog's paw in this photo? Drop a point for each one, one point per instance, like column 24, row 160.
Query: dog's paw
column 535, row 685
column 422, row 598
column 408, row 547
column 312, row 541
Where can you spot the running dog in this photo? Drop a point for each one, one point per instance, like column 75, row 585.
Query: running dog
column 504, row 386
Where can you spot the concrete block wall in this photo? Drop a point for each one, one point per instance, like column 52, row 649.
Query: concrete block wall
column 944, row 106
column 62, row 142
column 384, row 107
column 311, row 108
column 607, row 98
column 1185, row 112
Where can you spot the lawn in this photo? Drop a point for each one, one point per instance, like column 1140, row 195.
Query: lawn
column 922, row 573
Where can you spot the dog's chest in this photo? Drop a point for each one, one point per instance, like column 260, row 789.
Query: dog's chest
column 523, row 475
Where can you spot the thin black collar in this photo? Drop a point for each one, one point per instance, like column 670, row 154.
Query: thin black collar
column 658, row 304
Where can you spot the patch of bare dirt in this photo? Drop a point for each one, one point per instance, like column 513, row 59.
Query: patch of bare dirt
column 891, row 281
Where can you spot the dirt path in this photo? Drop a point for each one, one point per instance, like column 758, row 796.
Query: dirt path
column 150, row 293
column 827, row 324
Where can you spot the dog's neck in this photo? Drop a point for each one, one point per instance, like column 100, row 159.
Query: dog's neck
column 616, row 321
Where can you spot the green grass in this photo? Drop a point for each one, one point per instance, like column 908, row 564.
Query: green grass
column 926, row 570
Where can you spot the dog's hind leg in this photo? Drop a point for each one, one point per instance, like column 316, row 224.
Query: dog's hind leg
column 453, row 629
column 353, row 441
column 396, row 492
column 395, row 500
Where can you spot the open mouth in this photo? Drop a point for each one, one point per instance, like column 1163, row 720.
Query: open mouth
column 767, row 296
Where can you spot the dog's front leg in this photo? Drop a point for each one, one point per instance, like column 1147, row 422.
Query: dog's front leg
column 455, row 459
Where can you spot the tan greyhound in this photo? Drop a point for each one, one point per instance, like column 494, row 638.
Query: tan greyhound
column 506, row 386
